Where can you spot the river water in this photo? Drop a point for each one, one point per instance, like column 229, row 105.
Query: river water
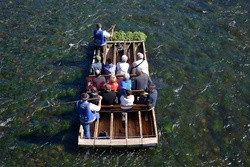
column 198, row 53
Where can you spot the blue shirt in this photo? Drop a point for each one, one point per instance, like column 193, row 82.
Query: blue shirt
column 126, row 84
column 109, row 69
column 95, row 66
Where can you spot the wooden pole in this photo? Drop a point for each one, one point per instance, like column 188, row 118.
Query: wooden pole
column 70, row 102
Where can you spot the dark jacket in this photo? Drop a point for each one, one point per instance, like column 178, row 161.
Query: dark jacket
column 152, row 98
column 109, row 98
column 100, row 82
column 142, row 81
column 94, row 95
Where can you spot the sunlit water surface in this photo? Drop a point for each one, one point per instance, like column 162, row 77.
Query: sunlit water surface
column 198, row 53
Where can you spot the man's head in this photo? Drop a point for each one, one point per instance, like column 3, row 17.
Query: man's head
column 152, row 88
column 113, row 78
column 98, row 58
column 124, row 58
column 138, row 71
column 97, row 72
column 84, row 96
column 109, row 61
column 94, row 90
column 128, row 92
column 98, row 25
column 140, row 55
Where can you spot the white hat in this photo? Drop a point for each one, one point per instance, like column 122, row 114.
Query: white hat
column 124, row 58
column 140, row 55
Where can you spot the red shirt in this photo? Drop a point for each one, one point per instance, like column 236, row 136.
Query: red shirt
column 114, row 85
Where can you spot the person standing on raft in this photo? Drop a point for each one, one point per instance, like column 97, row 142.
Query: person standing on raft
column 88, row 113
column 100, row 37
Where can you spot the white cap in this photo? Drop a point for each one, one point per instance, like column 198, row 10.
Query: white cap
column 140, row 55
column 124, row 58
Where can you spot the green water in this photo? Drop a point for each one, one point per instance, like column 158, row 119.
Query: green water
column 198, row 53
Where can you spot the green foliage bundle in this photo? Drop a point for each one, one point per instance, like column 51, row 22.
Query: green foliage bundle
column 128, row 36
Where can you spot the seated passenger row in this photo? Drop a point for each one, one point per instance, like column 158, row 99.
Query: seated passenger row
column 126, row 99
column 121, row 67
column 139, row 82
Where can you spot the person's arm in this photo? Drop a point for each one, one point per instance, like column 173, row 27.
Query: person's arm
column 112, row 30
column 94, row 107
column 100, row 102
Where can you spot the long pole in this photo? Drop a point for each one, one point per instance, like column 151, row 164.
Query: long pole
column 70, row 102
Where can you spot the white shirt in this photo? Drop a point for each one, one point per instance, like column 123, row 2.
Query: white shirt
column 143, row 66
column 106, row 34
column 94, row 107
column 126, row 103
column 122, row 68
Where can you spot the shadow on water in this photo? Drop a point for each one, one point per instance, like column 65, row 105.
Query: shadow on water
column 68, row 137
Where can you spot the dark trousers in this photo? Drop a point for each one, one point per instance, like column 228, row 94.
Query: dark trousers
column 101, row 51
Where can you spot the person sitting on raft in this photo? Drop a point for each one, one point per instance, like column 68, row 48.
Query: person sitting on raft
column 97, row 65
column 152, row 96
column 112, row 81
column 141, row 63
column 127, row 100
column 122, row 67
column 109, row 67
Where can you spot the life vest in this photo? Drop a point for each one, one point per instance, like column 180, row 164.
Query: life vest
column 99, row 38
column 85, row 114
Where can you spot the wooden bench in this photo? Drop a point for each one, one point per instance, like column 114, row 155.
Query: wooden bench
column 117, row 75
column 117, row 108
column 134, row 92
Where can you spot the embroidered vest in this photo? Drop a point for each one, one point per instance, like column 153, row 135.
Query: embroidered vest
column 85, row 114
column 99, row 38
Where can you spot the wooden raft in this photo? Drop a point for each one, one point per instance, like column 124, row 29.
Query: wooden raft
column 135, row 127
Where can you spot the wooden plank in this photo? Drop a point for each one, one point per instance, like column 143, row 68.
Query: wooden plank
column 118, row 142
column 134, row 52
column 115, row 54
column 102, row 142
column 155, row 125
column 133, row 91
column 96, row 130
column 118, row 106
column 81, row 131
column 85, row 142
column 110, row 42
column 119, row 126
column 140, row 126
column 144, row 51
column 126, row 125
column 134, row 142
column 124, row 48
column 153, row 141
column 104, row 56
column 117, row 75
column 120, row 110
column 111, row 126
